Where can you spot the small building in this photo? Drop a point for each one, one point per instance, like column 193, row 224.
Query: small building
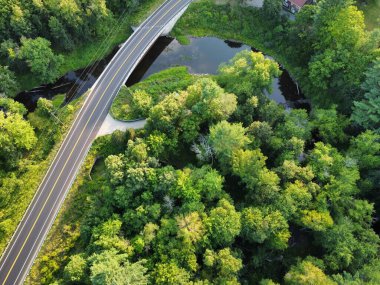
column 295, row 5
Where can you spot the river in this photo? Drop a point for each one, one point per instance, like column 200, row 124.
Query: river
column 202, row 55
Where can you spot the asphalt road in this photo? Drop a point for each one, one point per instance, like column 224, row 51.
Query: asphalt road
column 31, row 232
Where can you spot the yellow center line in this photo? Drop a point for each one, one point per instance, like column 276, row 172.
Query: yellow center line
column 72, row 151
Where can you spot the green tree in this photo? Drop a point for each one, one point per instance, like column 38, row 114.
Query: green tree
column 306, row 273
column 265, row 226
column 106, row 237
column 225, row 265
column 8, row 83
column 40, row 58
column 365, row 149
column 16, row 137
column 368, row 274
column 296, row 125
column 261, row 132
column 223, row 224
column 317, row 221
column 108, row 268
column 115, row 168
column 75, row 270
column 208, row 101
column 366, row 112
column 330, row 125
column 343, row 50
column 248, row 164
column 170, row 274
column 209, row 183
column 348, row 245
column 8, row 105
column 272, row 8
column 248, row 73
column 44, row 107
column 59, row 34
column 19, row 21
column 225, row 138
column 297, row 197
column 141, row 103
column 165, row 115
column 191, row 228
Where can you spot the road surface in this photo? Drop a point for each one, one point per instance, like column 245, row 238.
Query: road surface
column 31, row 232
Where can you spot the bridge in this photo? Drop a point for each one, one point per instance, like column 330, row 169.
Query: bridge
column 28, row 238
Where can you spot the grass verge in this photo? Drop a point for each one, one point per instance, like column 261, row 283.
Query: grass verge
column 24, row 182
column 65, row 232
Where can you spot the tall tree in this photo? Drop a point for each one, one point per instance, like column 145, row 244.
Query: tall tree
column 8, row 83
column 263, row 225
column 223, row 224
column 306, row 273
column 40, row 58
column 108, row 268
column 248, row 73
column 330, row 125
column 343, row 49
column 366, row 112
column 225, row 139
column 16, row 137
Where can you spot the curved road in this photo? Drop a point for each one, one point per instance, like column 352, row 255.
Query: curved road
column 31, row 232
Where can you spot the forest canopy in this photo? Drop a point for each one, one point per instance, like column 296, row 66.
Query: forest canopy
column 272, row 197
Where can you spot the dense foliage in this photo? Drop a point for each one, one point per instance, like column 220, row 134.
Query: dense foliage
column 327, row 47
column 224, row 186
column 25, row 144
column 33, row 33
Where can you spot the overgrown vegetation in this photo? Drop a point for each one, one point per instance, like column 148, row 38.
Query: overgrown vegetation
column 222, row 186
column 225, row 186
column 327, row 47
column 77, row 33
column 27, row 149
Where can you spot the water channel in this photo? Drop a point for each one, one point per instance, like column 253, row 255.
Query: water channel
column 202, row 55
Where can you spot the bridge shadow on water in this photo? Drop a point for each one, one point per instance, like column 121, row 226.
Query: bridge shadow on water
column 202, row 55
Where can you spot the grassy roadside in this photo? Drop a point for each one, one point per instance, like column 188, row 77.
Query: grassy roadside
column 24, row 182
column 89, row 52
column 65, row 232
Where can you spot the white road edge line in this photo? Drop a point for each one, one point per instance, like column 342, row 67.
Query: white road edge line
column 44, row 181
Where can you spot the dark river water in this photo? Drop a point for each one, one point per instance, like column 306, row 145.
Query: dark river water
column 202, row 55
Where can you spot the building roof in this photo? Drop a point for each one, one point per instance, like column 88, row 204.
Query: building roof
column 299, row 3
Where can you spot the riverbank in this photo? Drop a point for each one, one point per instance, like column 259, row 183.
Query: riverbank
column 246, row 25
column 90, row 52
